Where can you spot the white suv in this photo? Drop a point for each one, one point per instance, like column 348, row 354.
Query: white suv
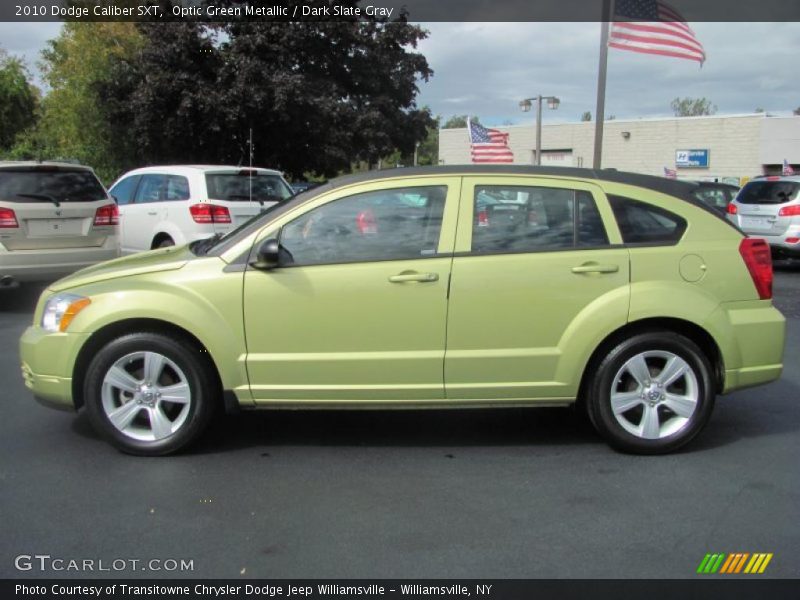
column 55, row 218
column 769, row 208
column 175, row 205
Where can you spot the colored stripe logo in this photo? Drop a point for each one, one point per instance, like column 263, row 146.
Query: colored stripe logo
column 738, row 562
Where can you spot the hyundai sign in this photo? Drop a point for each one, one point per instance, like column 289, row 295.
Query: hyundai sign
column 691, row 159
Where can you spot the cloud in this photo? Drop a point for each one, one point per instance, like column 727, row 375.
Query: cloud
column 495, row 65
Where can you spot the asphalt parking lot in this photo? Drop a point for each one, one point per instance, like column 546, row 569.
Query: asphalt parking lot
column 454, row 494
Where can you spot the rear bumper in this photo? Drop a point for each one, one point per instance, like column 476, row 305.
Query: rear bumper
column 778, row 244
column 751, row 337
column 48, row 265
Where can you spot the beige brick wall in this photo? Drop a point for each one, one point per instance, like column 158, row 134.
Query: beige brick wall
column 736, row 144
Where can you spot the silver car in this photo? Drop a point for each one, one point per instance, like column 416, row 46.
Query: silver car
column 769, row 208
column 55, row 218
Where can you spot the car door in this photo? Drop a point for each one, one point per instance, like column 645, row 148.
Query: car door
column 358, row 311
column 143, row 215
column 531, row 286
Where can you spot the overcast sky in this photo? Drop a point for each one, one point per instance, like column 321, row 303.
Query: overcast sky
column 487, row 68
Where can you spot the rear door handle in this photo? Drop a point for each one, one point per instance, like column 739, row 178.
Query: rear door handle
column 595, row 268
column 413, row 276
column 153, row 214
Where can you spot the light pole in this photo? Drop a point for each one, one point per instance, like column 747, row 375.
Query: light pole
column 525, row 105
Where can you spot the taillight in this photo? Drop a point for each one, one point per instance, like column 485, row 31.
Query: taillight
column 732, row 210
column 209, row 213
column 789, row 211
column 483, row 218
column 366, row 222
column 758, row 259
column 106, row 215
column 7, row 218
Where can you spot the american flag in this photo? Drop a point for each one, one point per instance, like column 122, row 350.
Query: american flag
column 488, row 145
column 670, row 173
column 787, row 168
column 654, row 27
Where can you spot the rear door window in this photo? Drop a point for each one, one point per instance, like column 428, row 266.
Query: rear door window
column 50, row 184
column 768, row 192
column 160, row 188
column 529, row 219
column 642, row 223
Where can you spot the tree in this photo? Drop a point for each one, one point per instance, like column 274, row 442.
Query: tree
column 796, row 111
column 318, row 96
column 692, row 107
column 76, row 65
column 587, row 116
column 758, row 110
column 18, row 100
column 459, row 121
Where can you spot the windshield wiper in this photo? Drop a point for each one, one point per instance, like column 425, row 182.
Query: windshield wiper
column 245, row 197
column 47, row 197
column 201, row 247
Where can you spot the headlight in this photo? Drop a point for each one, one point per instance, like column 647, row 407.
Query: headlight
column 61, row 309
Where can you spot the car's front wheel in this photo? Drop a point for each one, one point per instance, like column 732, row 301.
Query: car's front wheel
column 652, row 393
column 149, row 394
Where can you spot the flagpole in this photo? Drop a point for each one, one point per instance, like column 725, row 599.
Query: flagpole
column 607, row 16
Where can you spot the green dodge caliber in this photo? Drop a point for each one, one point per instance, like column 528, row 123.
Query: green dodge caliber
column 428, row 287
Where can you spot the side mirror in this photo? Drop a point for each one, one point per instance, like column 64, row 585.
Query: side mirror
column 268, row 256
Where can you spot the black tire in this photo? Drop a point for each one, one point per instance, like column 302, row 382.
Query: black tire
column 698, row 385
column 165, row 243
column 191, row 363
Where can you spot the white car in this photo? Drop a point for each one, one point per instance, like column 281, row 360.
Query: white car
column 55, row 218
column 175, row 205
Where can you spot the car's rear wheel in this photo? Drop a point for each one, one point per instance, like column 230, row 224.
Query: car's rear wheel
column 652, row 393
column 164, row 243
column 149, row 394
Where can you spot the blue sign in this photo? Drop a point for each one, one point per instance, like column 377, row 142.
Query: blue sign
column 691, row 159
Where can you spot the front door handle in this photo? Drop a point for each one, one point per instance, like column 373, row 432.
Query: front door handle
column 595, row 268
column 413, row 276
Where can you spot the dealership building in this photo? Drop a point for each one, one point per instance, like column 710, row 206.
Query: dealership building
column 720, row 147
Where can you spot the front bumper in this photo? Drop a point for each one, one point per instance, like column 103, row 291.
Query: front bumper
column 47, row 362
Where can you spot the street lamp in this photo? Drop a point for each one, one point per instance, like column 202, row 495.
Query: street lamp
column 525, row 105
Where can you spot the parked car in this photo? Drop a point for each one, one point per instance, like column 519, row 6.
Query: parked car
column 769, row 207
column 55, row 218
column 383, row 290
column 173, row 205
column 716, row 195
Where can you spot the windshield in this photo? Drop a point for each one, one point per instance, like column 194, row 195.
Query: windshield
column 40, row 184
column 246, row 184
column 768, row 192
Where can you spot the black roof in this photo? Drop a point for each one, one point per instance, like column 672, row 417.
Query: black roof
column 672, row 187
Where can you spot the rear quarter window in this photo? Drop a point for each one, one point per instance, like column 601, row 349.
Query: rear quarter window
column 642, row 223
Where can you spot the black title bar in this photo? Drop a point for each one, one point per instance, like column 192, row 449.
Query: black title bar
column 348, row 10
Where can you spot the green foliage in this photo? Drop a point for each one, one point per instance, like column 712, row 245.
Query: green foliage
column 587, row 116
column 318, row 96
column 459, row 121
column 758, row 109
column 72, row 125
column 18, row 100
column 692, row 107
